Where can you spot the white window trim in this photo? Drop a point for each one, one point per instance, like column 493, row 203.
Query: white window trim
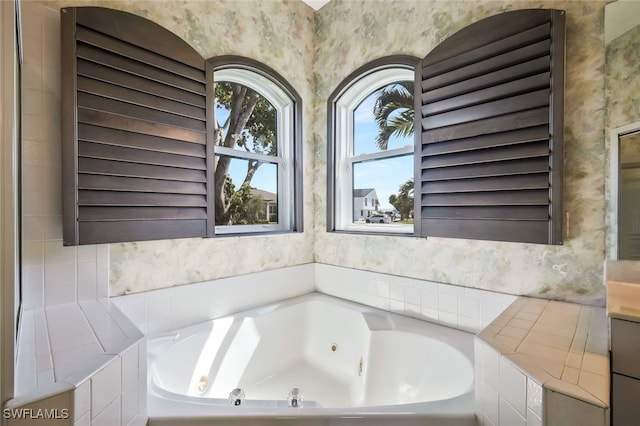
column 344, row 107
column 285, row 136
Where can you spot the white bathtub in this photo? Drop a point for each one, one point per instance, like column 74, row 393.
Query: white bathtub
column 353, row 364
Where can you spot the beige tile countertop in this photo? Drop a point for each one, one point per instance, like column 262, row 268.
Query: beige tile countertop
column 623, row 289
column 562, row 346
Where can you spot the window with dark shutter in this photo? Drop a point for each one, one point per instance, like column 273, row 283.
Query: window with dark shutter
column 489, row 158
column 136, row 155
column 370, row 148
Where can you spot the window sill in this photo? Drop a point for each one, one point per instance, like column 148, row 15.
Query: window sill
column 255, row 232
column 394, row 229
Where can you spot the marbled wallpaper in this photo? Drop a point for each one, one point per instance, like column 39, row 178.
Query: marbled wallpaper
column 352, row 33
column 315, row 51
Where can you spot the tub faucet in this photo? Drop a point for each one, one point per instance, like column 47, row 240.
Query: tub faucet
column 236, row 396
column 295, row 398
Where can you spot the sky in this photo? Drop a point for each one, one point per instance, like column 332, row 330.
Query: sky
column 385, row 176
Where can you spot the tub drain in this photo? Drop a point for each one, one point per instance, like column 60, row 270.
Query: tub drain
column 334, row 347
column 360, row 366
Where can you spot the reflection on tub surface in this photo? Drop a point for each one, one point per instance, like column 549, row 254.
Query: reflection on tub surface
column 346, row 358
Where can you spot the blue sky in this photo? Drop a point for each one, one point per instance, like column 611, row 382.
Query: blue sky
column 385, row 176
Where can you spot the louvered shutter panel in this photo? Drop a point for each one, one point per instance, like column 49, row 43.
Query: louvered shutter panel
column 489, row 158
column 135, row 145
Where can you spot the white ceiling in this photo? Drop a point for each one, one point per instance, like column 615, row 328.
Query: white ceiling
column 316, row 4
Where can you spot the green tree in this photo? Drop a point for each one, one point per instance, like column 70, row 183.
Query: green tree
column 251, row 125
column 403, row 201
column 245, row 208
column 393, row 111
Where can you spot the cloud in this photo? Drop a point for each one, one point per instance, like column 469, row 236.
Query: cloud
column 364, row 112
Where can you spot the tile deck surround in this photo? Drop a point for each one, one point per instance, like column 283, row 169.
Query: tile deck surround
column 85, row 357
column 561, row 346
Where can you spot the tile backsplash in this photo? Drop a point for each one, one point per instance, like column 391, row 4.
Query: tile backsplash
column 163, row 310
column 459, row 307
column 159, row 311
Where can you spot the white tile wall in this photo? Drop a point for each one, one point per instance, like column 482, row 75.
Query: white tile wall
column 53, row 274
column 513, row 385
column 534, row 399
column 106, row 387
column 142, row 384
column 82, row 401
column 491, row 405
column 509, row 415
column 461, row 307
column 110, row 416
column 505, row 395
column 159, row 311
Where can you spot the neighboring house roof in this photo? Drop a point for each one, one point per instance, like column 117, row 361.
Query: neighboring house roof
column 265, row 195
column 362, row 192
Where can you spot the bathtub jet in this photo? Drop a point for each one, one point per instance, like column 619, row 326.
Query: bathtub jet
column 236, row 396
column 295, row 398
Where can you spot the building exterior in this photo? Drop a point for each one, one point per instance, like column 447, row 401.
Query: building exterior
column 269, row 210
column 365, row 203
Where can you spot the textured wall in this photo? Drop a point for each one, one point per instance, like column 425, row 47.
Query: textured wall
column 352, row 33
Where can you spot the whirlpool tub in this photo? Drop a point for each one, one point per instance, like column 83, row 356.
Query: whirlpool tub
column 312, row 360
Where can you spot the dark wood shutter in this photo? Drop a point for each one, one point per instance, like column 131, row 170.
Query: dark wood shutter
column 135, row 144
column 489, row 157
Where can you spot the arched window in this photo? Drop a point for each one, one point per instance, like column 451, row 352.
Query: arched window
column 371, row 141
column 256, row 172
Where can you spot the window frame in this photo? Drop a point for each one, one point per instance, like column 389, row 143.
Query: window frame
column 341, row 104
column 270, row 85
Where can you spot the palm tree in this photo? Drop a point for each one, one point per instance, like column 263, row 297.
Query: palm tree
column 403, row 201
column 393, row 112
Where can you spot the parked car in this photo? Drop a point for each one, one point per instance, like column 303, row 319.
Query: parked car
column 378, row 218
